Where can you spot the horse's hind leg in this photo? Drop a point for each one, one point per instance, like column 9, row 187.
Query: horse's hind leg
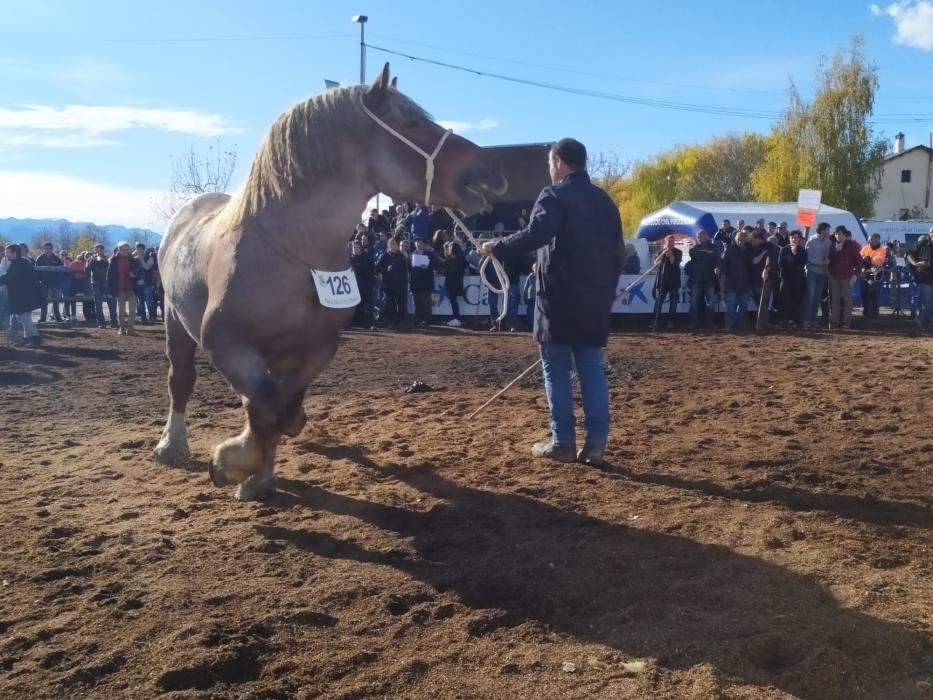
column 180, row 348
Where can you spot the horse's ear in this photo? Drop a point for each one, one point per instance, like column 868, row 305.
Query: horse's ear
column 382, row 81
column 395, row 82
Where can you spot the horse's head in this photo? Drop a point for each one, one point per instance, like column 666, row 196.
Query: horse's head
column 404, row 139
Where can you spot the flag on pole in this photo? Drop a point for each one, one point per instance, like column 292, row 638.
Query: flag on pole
column 330, row 83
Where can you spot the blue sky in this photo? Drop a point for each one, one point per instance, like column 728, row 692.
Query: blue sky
column 97, row 95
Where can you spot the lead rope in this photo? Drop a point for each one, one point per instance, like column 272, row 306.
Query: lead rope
column 623, row 294
column 429, row 181
column 497, row 267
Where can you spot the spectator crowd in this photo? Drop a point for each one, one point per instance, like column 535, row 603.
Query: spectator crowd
column 792, row 281
column 789, row 279
column 126, row 281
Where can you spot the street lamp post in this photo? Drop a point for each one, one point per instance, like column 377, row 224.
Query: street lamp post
column 361, row 20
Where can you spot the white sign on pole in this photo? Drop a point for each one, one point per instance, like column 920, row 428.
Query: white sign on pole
column 809, row 199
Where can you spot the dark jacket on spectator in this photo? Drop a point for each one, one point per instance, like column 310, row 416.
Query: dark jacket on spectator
column 737, row 269
column 365, row 270
column 24, row 293
column 454, row 269
column 845, row 261
column 97, row 271
column 794, row 266
column 703, row 261
column 136, row 273
column 669, row 273
column 378, row 225
column 770, row 260
column 579, row 271
column 394, row 270
column 725, row 237
column 419, row 224
column 50, row 279
column 422, row 278
column 632, row 265
column 923, row 252
column 440, row 220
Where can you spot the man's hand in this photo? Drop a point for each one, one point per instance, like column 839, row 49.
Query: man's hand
column 488, row 248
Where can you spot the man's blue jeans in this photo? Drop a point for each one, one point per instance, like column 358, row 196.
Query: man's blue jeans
column 99, row 297
column 925, row 292
column 736, row 309
column 557, row 362
column 816, row 281
column 700, row 292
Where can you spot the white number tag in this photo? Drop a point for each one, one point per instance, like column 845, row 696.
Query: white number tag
column 337, row 290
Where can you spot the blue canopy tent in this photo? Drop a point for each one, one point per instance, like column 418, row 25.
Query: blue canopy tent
column 677, row 218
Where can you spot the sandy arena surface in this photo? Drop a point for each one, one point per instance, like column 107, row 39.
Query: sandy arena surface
column 763, row 529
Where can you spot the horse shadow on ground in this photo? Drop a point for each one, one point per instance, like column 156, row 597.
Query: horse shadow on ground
column 41, row 375
column 516, row 560
column 35, row 357
column 107, row 354
column 867, row 509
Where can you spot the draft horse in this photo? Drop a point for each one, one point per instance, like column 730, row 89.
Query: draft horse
column 260, row 280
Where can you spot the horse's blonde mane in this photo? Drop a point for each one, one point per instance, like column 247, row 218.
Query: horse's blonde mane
column 305, row 143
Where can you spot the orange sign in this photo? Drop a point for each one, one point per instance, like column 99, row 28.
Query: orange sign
column 806, row 217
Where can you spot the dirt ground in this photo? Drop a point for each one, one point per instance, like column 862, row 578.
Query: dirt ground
column 764, row 528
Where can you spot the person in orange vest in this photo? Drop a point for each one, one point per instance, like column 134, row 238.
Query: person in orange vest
column 874, row 256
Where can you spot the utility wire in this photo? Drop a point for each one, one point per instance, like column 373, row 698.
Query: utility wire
column 172, row 40
column 613, row 76
column 746, row 112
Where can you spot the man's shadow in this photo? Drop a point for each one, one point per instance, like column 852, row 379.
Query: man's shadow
column 646, row 594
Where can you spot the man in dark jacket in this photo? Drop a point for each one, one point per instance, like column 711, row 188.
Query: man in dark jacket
column 765, row 268
column 24, row 293
column 725, row 236
column 393, row 267
column 920, row 260
column 97, row 267
column 51, row 282
column 702, row 276
column 577, row 231
column 737, row 279
column 364, row 269
column 667, row 282
column 793, row 263
column 845, row 263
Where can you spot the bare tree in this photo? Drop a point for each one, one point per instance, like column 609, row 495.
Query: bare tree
column 194, row 173
column 609, row 171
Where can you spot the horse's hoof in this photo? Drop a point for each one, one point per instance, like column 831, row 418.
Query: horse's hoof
column 171, row 456
column 258, row 487
column 217, row 477
column 296, row 425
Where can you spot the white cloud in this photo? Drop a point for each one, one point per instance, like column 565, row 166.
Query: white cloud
column 875, row 10
column 42, row 195
column 94, row 120
column 913, row 22
column 10, row 140
column 462, row 127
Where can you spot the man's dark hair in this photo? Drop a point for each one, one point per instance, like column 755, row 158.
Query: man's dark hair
column 772, row 223
column 822, row 227
column 47, row 244
column 572, row 152
column 13, row 248
column 840, row 227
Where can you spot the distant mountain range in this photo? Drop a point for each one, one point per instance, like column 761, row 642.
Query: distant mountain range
column 27, row 230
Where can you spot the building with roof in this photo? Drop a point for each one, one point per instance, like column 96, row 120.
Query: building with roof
column 905, row 183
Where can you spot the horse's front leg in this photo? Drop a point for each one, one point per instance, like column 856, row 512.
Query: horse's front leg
column 249, row 458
